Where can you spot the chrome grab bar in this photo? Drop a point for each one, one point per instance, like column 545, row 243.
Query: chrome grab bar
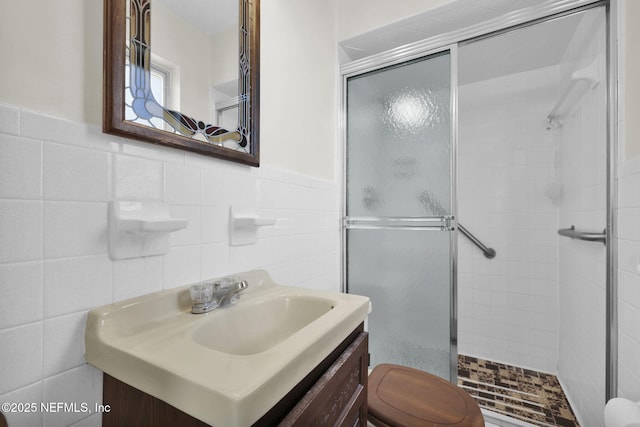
column 488, row 252
column 583, row 235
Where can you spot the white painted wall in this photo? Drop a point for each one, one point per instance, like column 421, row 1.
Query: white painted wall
column 56, row 57
column 56, row 69
column 299, row 85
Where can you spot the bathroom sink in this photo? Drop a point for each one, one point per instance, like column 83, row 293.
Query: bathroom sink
column 227, row 367
column 257, row 327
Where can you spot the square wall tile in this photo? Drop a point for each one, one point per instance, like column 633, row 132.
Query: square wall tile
column 181, row 184
column 214, row 189
column 182, row 266
column 75, row 229
column 30, row 393
column 53, row 129
column 242, row 258
column 94, row 420
column 21, row 287
column 20, row 168
column 76, row 174
column 138, row 179
column 137, row 276
column 76, row 284
column 215, row 224
column 9, row 120
column 20, row 230
column 20, row 356
column 215, row 260
column 64, row 343
column 81, row 385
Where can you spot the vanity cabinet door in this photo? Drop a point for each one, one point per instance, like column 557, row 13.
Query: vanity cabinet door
column 339, row 397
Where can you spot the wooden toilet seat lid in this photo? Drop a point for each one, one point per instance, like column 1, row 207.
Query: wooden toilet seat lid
column 402, row 396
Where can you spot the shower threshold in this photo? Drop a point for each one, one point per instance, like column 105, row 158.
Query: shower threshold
column 509, row 393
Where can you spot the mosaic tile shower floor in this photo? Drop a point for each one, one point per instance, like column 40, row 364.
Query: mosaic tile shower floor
column 519, row 393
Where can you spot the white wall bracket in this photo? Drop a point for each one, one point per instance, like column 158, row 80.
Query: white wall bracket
column 138, row 229
column 243, row 225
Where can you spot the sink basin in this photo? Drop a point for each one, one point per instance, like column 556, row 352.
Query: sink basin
column 255, row 328
column 227, row 367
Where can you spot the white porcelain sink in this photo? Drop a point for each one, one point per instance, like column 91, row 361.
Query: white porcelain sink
column 259, row 326
column 227, row 367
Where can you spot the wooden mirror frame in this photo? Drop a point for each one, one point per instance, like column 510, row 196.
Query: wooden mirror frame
column 113, row 118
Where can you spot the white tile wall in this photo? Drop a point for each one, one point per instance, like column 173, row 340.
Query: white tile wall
column 629, row 280
column 56, row 179
column 508, row 308
column 582, row 273
column 518, row 184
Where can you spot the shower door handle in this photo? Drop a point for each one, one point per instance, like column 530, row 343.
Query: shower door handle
column 441, row 223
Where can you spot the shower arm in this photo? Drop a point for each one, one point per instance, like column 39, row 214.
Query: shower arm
column 488, row 252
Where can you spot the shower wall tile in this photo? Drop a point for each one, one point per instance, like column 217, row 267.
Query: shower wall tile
column 507, row 175
column 582, row 274
column 56, row 179
column 629, row 280
column 519, row 183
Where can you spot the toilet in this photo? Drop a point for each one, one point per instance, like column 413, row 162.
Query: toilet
column 621, row 412
column 405, row 397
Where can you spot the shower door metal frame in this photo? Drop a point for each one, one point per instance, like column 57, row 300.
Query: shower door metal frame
column 451, row 219
column 547, row 10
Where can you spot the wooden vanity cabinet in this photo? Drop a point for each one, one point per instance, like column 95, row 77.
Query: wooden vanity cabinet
column 333, row 394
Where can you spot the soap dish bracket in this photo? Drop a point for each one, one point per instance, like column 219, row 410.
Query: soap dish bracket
column 243, row 225
column 139, row 229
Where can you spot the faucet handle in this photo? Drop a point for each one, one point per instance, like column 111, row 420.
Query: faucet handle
column 201, row 293
column 225, row 282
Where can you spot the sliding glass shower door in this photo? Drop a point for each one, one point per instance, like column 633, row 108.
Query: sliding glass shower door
column 398, row 210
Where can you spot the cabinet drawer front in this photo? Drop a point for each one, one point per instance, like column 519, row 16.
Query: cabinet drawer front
column 339, row 397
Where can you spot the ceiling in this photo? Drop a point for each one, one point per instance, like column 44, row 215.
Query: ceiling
column 524, row 49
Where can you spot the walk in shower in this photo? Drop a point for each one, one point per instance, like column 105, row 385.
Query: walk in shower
column 477, row 210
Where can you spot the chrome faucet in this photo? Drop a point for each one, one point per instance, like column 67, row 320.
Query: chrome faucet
column 228, row 294
column 209, row 295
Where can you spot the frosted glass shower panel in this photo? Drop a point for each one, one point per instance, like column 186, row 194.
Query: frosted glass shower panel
column 398, row 133
column 398, row 239
column 406, row 274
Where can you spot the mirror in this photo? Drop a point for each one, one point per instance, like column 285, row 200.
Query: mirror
column 179, row 75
